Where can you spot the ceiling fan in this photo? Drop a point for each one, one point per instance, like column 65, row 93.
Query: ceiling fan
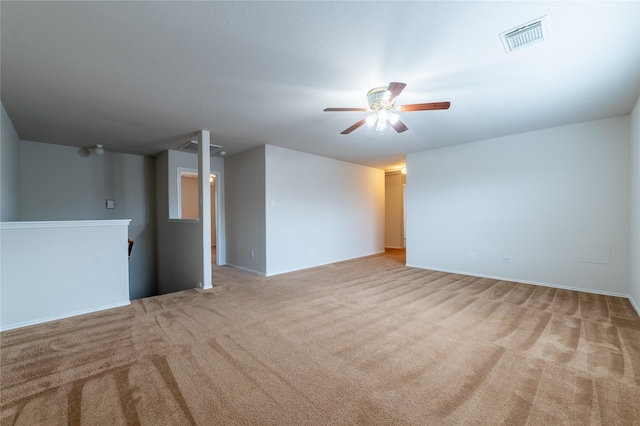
column 382, row 104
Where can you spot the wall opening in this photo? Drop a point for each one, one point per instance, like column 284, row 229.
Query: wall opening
column 188, row 203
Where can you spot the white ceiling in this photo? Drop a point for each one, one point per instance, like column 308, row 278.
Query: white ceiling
column 142, row 77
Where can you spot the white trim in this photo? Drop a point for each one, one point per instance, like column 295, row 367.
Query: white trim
column 66, row 315
column 635, row 305
column 563, row 287
column 318, row 265
column 242, row 268
column 63, row 224
column 204, row 206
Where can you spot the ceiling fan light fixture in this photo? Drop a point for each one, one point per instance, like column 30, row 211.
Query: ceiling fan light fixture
column 381, row 125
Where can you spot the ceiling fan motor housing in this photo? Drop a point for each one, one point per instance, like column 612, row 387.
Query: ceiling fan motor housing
column 375, row 99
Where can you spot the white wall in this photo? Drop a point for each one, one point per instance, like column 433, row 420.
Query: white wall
column 635, row 207
column 320, row 210
column 550, row 199
column 53, row 270
column 9, row 169
column 178, row 248
column 394, row 210
column 69, row 183
column 245, row 210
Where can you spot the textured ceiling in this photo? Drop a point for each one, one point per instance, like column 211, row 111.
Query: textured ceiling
column 142, row 77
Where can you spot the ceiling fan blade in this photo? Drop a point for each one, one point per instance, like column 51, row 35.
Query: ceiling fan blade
column 355, row 126
column 399, row 126
column 395, row 89
column 347, row 109
column 425, row 107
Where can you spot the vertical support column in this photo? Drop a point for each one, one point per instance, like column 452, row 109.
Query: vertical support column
column 204, row 198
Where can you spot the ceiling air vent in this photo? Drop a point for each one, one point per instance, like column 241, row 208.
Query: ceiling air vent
column 192, row 146
column 526, row 34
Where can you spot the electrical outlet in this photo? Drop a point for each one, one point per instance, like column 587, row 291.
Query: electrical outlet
column 472, row 255
column 251, row 253
column 505, row 259
column 313, row 249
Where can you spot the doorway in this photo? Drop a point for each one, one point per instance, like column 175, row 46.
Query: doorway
column 395, row 230
column 188, row 206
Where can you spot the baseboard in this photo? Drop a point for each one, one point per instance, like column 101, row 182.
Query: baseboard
column 242, row 268
column 393, row 247
column 635, row 305
column 563, row 287
column 63, row 316
column 330, row 262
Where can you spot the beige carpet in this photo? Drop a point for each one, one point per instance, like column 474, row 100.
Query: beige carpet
column 367, row 341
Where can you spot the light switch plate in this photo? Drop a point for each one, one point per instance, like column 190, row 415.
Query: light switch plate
column 111, row 204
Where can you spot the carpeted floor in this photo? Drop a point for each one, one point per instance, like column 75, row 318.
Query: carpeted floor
column 367, row 341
